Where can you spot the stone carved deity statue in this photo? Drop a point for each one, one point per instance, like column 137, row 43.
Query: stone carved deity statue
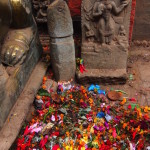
column 103, row 10
column 100, row 19
column 105, row 32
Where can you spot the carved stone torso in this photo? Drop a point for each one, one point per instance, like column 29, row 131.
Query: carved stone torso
column 103, row 18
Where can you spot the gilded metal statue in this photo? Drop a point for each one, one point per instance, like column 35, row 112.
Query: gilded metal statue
column 20, row 50
column 17, row 29
column 103, row 10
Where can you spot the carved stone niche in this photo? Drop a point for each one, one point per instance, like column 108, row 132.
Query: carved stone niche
column 105, row 30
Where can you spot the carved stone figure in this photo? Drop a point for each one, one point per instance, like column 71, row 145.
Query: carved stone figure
column 19, row 51
column 40, row 9
column 102, row 10
column 105, row 29
column 61, row 43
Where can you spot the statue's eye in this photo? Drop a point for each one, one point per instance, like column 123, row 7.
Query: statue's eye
column 60, row 8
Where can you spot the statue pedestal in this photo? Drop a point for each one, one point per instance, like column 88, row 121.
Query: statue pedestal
column 105, row 64
column 16, row 80
column 102, row 76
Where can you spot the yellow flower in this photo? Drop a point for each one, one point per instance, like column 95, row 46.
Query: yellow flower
column 92, row 130
column 81, row 127
column 82, row 148
column 90, row 100
column 71, row 142
column 141, row 132
column 71, row 147
column 95, row 142
column 146, row 109
column 123, row 101
column 95, row 120
column 124, row 125
column 138, row 128
column 110, row 131
column 67, row 133
column 138, row 109
column 67, row 147
column 140, row 114
column 111, row 138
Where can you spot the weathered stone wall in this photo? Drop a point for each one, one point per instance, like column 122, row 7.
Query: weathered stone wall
column 141, row 29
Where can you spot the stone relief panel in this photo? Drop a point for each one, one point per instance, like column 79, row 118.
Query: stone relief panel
column 40, row 9
column 105, row 21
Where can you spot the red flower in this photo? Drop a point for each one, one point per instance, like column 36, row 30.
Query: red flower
column 108, row 142
column 135, row 109
column 55, row 134
column 47, row 105
column 132, row 99
column 55, row 147
column 26, row 131
column 41, row 113
column 134, row 134
column 43, row 142
column 20, row 143
column 82, row 68
column 146, row 117
column 129, row 107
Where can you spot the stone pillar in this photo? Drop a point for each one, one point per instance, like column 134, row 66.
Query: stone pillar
column 61, row 44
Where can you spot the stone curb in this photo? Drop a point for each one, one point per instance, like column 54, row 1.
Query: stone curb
column 20, row 110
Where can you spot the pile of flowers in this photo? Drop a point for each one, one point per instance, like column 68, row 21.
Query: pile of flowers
column 79, row 118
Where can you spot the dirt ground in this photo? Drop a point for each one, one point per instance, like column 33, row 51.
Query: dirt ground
column 138, row 69
column 137, row 87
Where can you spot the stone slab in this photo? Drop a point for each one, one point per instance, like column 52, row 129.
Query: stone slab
column 102, row 76
column 104, row 57
column 16, row 118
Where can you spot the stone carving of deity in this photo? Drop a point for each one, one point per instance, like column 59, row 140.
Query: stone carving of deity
column 105, row 28
column 103, row 10
column 100, row 14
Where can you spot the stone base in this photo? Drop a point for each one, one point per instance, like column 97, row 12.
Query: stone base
column 22, row 109
column 18, row 76
column 96, row 56
column 102, row 76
